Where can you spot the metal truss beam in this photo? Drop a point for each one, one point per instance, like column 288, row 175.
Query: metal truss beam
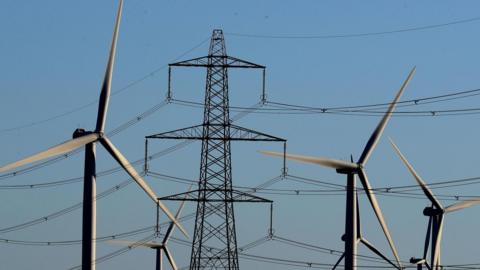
column 222, row 61
column 237, row 133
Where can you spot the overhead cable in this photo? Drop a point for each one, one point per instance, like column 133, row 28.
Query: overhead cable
column 128, row 86
column 355, row 35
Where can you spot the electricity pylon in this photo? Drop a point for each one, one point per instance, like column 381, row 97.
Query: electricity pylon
column 214, row 243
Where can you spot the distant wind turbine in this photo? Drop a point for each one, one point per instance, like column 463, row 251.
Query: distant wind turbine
column 436, row 214
column 89, row 139
column 352, row 169
column 159, row 248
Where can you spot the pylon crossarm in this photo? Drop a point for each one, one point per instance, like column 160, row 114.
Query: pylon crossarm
column 238, row 196
column 240, row 133
column 188, row 133
column 237, row 133
column 231, row 62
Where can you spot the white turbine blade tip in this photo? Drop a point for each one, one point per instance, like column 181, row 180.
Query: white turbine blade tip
column 377, row 133
column 270, row 153
column 426, row 190
column 107, row 81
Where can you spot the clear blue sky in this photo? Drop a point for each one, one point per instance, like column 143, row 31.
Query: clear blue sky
column 52, row 60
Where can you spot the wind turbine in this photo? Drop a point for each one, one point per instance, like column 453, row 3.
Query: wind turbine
column 159, row 248
column 352, row 169
column 89, row 139
column 436, row 214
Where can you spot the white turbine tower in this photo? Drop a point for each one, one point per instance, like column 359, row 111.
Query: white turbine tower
column 436, row 214
column 89, row 139
column 352, row 169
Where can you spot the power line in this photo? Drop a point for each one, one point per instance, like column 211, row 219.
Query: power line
column 64, row 211
column 242, row 249
column 410, row 102
column 99, row 196
column 356, row 35
column 118, row 252
column 114, row 132
column 76, row 242
column 324, row 250
column 117, row 187
column 338, row 189
column 128, row 86
column 283, row 261
column 150, row 237
column 395, row 191
column 104, row 194
column 184, row 218
column 279, row 108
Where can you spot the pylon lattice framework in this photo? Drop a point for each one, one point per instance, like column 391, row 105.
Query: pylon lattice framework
column 214, row 243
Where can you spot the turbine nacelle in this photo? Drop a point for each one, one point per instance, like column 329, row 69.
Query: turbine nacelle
column 414, row 260
column 432, row 211
column 356, row 170
column 79, row 132
column 155, row 245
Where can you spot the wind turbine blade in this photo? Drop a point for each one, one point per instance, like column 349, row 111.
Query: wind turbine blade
column 128, row 167
column 134, row 243
column 339, row 260
column 172, row 218
column 171, row 227
column 378, row 212
column 107, row 81
column 417, row 177
column 438, row 241
column 427, row 238
column 134, row 174
column 170, row 258
column 462, row 205
column 377, row 133
column 326, row 162
column 376, row 251
column 62, row 148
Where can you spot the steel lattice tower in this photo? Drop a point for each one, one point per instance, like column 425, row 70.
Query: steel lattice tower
column 214, row 243
column 215, row 171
